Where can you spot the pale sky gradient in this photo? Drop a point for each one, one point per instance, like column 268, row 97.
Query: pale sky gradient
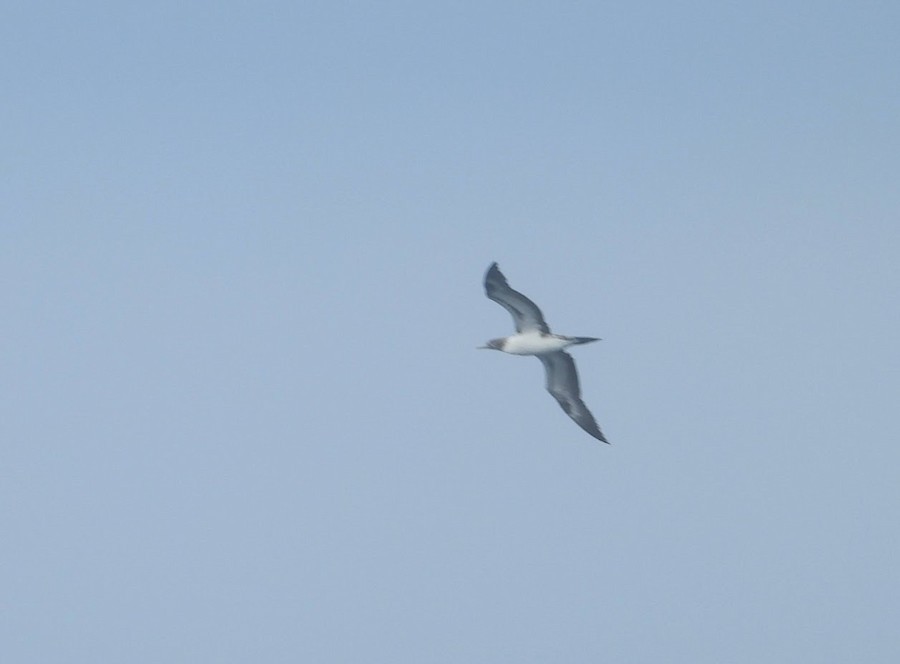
column 242, row 414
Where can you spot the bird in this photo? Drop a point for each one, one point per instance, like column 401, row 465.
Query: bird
column 533, row 337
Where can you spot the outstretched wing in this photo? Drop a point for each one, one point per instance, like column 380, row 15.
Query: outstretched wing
column 562, row 383
column 525, row 313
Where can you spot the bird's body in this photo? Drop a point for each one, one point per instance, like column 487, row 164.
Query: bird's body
column 534, row 342
column 533, row 337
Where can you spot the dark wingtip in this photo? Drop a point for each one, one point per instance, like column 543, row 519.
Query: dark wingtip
column 493, row 274
column 598, row 434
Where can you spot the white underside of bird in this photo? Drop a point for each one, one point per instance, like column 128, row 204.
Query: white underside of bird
column 535, row 343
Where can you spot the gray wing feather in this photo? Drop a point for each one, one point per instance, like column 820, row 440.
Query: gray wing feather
column 525, row 313
column 562, row 383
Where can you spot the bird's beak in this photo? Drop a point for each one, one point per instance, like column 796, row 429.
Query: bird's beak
column 482, row 348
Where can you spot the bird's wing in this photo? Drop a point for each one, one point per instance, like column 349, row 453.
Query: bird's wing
column 562, row 383
column 525, row 313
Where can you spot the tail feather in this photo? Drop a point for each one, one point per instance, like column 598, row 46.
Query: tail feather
column 583, row 340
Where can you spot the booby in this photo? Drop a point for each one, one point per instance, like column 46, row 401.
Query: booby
column 533, row 337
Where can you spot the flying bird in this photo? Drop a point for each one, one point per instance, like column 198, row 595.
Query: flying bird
column 533, row 337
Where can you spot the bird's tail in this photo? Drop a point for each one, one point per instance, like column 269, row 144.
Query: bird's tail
column 583, row 340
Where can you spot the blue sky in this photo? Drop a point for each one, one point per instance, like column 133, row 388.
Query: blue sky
column 241, row 252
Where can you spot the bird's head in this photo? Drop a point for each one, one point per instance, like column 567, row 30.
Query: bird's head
column 493, row 344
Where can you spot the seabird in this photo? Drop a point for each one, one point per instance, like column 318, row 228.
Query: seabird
column 533, row 337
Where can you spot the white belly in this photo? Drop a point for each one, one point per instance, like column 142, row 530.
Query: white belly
column 534, row 344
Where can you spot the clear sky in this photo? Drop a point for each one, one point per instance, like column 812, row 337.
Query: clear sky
column 242, row 414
